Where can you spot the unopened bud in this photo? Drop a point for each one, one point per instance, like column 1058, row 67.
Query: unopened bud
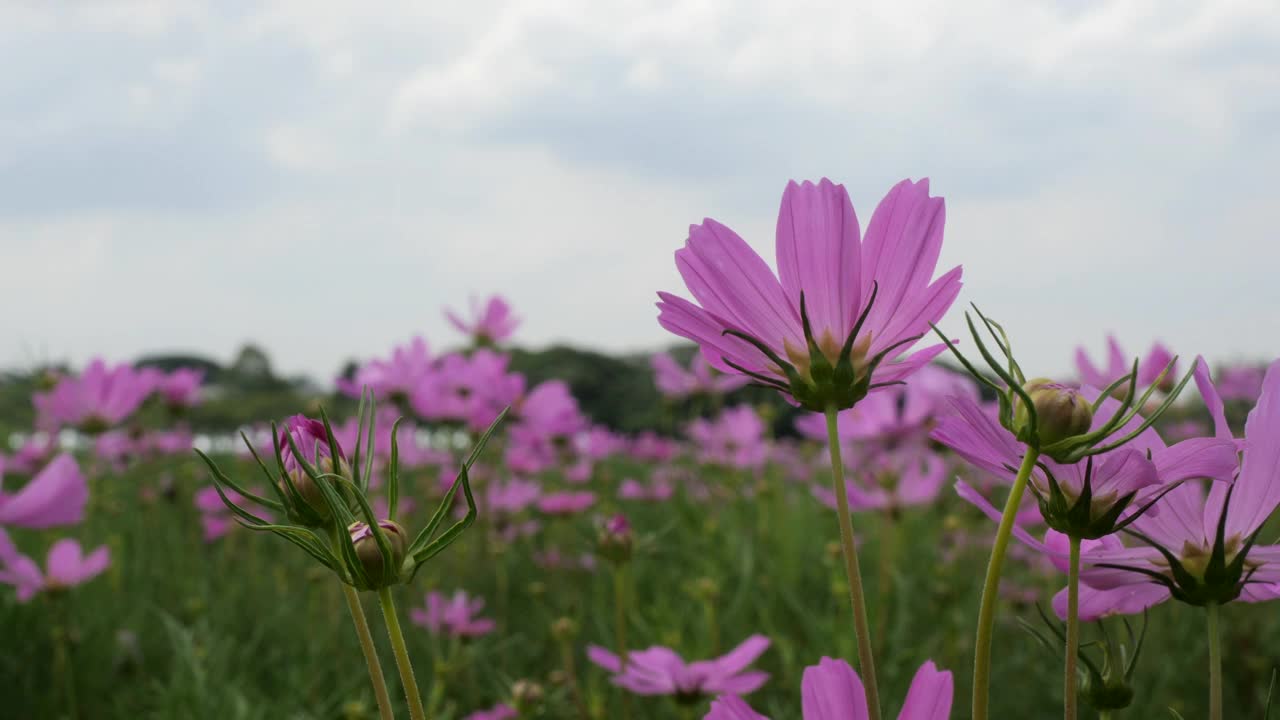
column 370, row 556
column 1061, row 411
column 526, row 695
column 564, row 629
column 615, row 540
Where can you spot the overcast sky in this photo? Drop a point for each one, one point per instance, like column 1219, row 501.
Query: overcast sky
column 322, row 179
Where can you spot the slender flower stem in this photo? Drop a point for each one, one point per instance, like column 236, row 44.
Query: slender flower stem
column 370, row 651
column 620, row 631
column 1215, row 664
column 402, row 655
column 991, row 589
column 62, row 652
column 361, row 623
column 571, row 677
column 1069, row 698
column 866, row 659
column 884, row 575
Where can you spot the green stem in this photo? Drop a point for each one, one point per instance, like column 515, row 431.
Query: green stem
column 1215, row 664
column 620, row 631
column 402, row 655
column 1069, row 680
column 991, row 589
column 884, row 576
column 62, row 650
column 866, row 659
column 370, row 651
column 571, row 677
column 361, row 623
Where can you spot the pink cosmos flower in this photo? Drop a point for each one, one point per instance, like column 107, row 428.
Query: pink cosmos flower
column 180, row 388
column 312, row 441
column 55, row 496
column 1119, row 364
column 36, row 451
column 905, row 477
column 1137, row 470
column 650, row 446
column 659, row 489
column 831, row 690
column 566, row 503
column 396, row 378
column 470, row 389
column 674, row 381
column 66, row 567
column 878, row 286
column 1240, row 382
column 454, row 616
column 736, row 438
column 660, row 671
column 489, row 324
column 97, row 399
column 511, row 497
column 497, row 712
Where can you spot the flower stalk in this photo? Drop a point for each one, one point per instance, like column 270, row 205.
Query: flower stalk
column 857, row 597
column 411, row 694
column 1069, row 677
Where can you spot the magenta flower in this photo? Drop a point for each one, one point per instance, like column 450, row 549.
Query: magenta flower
column 497, row 712
column 659, row 489
column 674, row 381
column 660, row 671
column 470, row 389
column 455, row 616
column 1119, row 364
column 736, row 438
column 180, row 388
column 312, row 441
column 396, row 378
column 566, row 503
column 97, row 399
column 1120, row 480
column 652, row 447
column 489, row 324
column 831, row 690
column 893, row 480
column 1240, row 382
column 512, row 496
column 55, row 496
column 66, row 567
column 865, row 301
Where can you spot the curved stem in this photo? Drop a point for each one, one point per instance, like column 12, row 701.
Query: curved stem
column 402, row 655
column 370, row 651
column 991, row 589
column 866, row 659
column 1069, row 680
column 1215, row 664
column 620, row 631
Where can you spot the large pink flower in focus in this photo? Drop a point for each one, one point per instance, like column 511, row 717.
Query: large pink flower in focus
column 831, row 690
column 748, row 321
column 660, row 671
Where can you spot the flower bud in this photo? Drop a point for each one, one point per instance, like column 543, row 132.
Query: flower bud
column 615, row 540
column 371, row 557
column 1061, row 411
column 312, row 441
column 564, row 629
column 526, row 696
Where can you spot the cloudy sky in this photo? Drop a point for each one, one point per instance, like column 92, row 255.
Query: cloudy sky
column 323, row 178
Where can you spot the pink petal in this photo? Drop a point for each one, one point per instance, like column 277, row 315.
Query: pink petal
column 831, row 690
column 819, row 253
column 55, row 496
column 929, row 697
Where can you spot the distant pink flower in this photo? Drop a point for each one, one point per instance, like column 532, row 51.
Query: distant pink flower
column 566, row 503
column 820, row 254
column 660, row 671
column 66, row 567
column 497, row 712
column 895, row 412
column 490, row 323
column 453, row 616
column 97, row 399
column 675, row 381
column 1119, row 364
column 396, row 378
column 55, row 496
column 553, row 559
column 512, row 496
column 653, row 447
column 659, row 489
column 180, row 388
column 34, row 453
column 831, row 690
column 736, row 438
column 1240, row 382
column 892, row 481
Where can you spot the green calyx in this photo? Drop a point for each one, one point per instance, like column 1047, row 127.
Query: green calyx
column 1063, row 438
column 820, row 375
column 1086, row 516
column 1105, row 682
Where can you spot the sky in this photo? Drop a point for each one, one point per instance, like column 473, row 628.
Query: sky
column 324, row 178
